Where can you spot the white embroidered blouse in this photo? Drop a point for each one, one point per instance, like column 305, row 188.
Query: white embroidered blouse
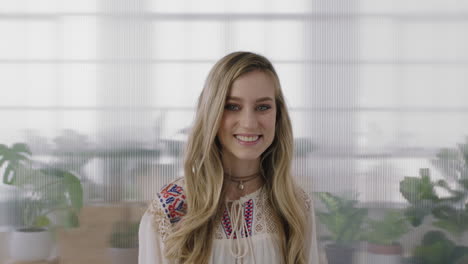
column 259, row 245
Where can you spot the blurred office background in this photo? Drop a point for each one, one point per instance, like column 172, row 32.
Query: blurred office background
column 106, row 90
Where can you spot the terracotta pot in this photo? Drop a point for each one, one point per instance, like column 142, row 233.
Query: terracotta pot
column 30, row 244
column 394, row 249
column 337, row 254
column 123, row 255
column 384, row 254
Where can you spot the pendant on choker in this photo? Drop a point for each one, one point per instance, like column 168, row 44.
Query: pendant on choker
column 242, row 180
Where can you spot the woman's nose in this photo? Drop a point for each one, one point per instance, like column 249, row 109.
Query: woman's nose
column 248, row 119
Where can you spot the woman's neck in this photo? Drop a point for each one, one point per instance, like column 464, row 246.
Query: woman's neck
column 235, row 170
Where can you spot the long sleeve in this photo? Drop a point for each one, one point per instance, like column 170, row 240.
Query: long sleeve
column 166, row 209
column 151, row 247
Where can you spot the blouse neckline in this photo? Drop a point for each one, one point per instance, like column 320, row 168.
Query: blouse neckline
column 247, row 197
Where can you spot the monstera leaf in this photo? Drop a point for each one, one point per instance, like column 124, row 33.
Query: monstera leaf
column 13, row 157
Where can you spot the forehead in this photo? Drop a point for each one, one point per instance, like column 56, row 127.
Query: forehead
column 253, row 85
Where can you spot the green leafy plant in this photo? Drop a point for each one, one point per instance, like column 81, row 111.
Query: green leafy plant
column 343, row 219
column 453, row 164
column 124, row 235
column 387, row 230
column 423, row 199
column 14, row 157
column 450, row 211
column 436, row 248
column 420, row 193
column 45, row 190
column 451, row 219
column 51, row 190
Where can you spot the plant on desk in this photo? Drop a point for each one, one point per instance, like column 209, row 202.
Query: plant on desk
column 383, row 235
column 344, row 222
column 47, row 193
column 450, row 212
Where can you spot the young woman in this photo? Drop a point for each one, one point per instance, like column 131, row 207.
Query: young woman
column 237, row 202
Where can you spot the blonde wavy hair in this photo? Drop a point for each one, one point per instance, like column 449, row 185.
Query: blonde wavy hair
column 192, row 238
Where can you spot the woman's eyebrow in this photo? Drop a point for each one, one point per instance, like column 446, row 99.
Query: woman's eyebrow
column 263, row 99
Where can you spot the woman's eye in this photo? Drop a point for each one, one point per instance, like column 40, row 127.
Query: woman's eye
column 263, row 107
column 231, row 107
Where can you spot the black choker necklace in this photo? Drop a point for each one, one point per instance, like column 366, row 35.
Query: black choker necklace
column 242, row 180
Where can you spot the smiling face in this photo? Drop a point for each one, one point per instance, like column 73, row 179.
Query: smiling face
column 248, row 125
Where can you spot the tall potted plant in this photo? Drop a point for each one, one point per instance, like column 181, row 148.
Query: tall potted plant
column 46, row 194
column 344, row 221
column 383, row 235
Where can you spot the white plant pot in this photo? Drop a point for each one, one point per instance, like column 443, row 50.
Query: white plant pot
column 29, row 245
column 123, row 255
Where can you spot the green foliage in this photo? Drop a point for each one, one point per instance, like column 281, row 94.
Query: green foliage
column 453, row 164
column 417, row 190
column 46, row 190
column 453, row 220
column 124, row 235
column 50, row 190
column 420, row 193
column 436, row 248
column 387, row 230
column 451, row 212
column 343, row 219
column 13, row 157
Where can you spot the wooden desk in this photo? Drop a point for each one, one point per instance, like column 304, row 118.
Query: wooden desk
column 52, row 261
column 89, row 242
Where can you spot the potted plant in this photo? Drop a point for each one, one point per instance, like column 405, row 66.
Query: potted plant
column 450, row 213
column 345, row 223
column 420, row 192
column 50, row 197
column 436, row 248
column 123, row 243
column 382, row 237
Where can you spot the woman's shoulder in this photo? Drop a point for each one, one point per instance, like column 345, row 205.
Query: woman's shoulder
column 171, row 201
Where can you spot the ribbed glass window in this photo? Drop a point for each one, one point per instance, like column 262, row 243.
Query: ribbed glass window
column 97, row 98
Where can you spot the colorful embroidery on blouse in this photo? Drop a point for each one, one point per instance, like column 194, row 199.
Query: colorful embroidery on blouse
column 248, row 212
column 248, row 216
column 173, row 202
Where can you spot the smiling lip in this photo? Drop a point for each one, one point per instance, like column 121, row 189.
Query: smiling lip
column 246, row 139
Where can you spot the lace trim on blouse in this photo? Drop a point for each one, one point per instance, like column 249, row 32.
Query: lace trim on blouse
column 262, row 220
column 161, row 222
column 169, row 207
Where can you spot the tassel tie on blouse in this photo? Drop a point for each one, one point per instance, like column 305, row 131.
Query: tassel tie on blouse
column 239, row 248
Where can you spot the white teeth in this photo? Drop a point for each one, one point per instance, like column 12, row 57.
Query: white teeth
column 247, row 139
